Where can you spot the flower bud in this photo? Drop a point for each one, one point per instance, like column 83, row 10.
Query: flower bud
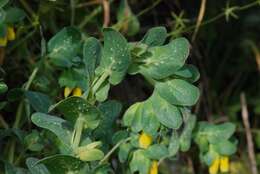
column 67, row 91
column 145, row 140
column 214, row 167
column 3, row 41
column 224, row 164
column 77, row 92
column 10, row 33
column 154, row 168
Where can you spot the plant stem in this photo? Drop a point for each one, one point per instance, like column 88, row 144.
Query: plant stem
column 18, row 115
column 79, row 125
column 100, row 81
column 3, row 122
column 113, row 149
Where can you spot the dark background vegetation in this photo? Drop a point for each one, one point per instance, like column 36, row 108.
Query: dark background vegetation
column 226, row 50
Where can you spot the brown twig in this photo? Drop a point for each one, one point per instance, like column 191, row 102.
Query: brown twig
column 106, row 13
column 250, row 144
column 200, row 18
column 2, row 55
column 94, row 2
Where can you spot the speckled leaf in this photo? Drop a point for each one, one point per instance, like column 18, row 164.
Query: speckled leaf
column 167, row 114
column 36, row 168
column 178, row 92
column 39, row 101
column 115, row 56
column 186, row 135
column 167, row 59
column 91, row 55
column 150, row 122
column 157, row 151
column 155, row 36
column 73, row 107
column 189, row 72
column 62, row 164
column 61, row 128
column 174, row 144
column 64, row 46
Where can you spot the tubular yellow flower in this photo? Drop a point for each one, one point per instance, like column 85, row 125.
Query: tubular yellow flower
column 77, row 92
column 154, row 168
column 145, row 140
column 224, row 164
column 3, row 41
column 214, row 167
column 67, row 91
column 10, row 33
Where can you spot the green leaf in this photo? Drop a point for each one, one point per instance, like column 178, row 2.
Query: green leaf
column 74, row 107
column 11, row 169
column 39, row 101
column 178, row 92
column 36, row 168
column 127, row 19
column 3, row 3
column 216, row 133
column 157, row 151
column 64, row 46
column 189, row 72
column 115, row 56
column 130, row 113
column 140, row 162
column 186, row 135
column 155, row 36
column 165, row 60
column 225, row 147
column 166, row 113
column 140, row 116
column 102, row 93
column 91, row 55
column 62, row 164
column 3, row 87
column 124, row 151
column 14, row 15
column 74, row 78
column 61, row 128
column 174, row 144
column 150, row 123
column 110, row 111
column 33, row 141
column 89, row 154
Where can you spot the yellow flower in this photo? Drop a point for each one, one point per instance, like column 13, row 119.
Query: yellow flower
column 67, row 91
column 224, row 164
column 145, row 140
column 3, row 41
column 77, row 92
column 10, row 33
column 154, row 168
column 214, row 167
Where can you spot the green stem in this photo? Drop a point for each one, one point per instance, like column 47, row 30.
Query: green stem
column 18, row 115
column 79, row 125
column 112, row 150
column 99, row 82
column 72, row 7
column 3, row 122
column 28, row 8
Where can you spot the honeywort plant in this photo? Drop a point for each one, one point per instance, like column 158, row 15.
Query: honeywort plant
column 79, row 133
